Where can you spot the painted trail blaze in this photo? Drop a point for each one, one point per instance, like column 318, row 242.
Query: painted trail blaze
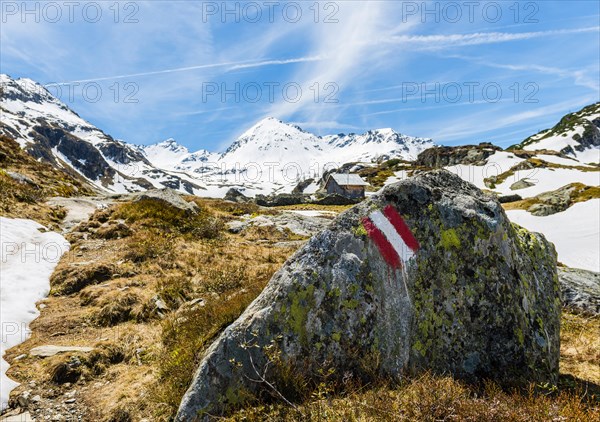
column 392, row 236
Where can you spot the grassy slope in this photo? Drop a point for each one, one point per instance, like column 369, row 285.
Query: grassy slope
column 104, row 295
column 26, row 199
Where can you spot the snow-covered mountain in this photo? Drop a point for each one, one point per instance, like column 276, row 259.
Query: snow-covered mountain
column 51, row 131
column 271, row 156
column 576, row 135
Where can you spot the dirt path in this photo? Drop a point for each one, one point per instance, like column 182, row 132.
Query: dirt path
column 79, row 208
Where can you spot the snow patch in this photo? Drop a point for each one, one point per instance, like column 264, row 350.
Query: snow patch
column 27, row 259
column 575, row 232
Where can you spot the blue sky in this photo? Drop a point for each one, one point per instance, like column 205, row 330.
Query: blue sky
column 458, row 72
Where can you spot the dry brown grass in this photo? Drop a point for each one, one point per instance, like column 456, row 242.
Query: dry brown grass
column 432, row 398
column 580, row 347
column 106, row 290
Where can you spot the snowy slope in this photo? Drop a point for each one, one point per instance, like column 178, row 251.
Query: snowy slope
column 577, row 134
column 575, row 233
column 544, row 179
column 27, row 260
column 51, row 131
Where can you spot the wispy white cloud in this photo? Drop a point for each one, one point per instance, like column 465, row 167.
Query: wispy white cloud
column 460, row 40
column 472, row 125
column 582, row 77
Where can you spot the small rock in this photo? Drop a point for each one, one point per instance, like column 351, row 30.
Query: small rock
column 23, row 356
column 23, row 399
column 36, row 399
column 50, row 350
column 509, row 198
column 69, row 401
column 521, row 184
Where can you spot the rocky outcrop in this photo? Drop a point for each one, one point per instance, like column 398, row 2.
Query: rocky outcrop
column 558, row 200
column 80, row 154
column 298, row 224
column 438, row 157
column 335, row 199
column 235, row 195
column 580, row 290
column 479, row 299
column 299, row 188
column 282, row 199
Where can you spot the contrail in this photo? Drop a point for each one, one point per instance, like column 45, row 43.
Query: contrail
column 232, row 66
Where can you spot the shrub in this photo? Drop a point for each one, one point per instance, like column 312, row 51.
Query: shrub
column 220, row 280
column 116, row 308
column 174, row 290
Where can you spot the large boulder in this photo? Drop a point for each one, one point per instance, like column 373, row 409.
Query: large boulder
column 471, row 295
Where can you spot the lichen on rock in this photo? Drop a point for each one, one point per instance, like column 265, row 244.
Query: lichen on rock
column 478, row 299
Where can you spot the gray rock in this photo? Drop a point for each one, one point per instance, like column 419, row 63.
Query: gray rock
column 554, row 201
column 580, row 290
column 302, row 225
column 282, row 199
column 21, row 178
column 542, row 210
column 49, row 350
column 169, row 197
column 521, row 184
column 479, row 300
column 235, row 195
column 509, row 198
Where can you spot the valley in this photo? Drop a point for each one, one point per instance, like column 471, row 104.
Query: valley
column 159, row 264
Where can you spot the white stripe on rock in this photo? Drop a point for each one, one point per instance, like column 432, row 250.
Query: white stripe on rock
column 392, row 235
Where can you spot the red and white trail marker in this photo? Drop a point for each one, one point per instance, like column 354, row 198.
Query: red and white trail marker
column 392, row 236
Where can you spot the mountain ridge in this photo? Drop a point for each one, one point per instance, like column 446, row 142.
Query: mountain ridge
column 269, row 157
column 280, row 153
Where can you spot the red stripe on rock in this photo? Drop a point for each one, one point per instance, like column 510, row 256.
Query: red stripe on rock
column 385, row 247
column 401, row 227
